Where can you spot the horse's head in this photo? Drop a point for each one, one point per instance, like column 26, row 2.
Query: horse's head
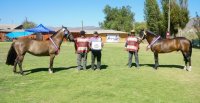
column 67, row 34
column 142, row 35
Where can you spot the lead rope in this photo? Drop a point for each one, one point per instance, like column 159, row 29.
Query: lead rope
column 149, row 46
column 57, row 49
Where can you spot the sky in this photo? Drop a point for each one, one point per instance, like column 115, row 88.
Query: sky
column 70, row 13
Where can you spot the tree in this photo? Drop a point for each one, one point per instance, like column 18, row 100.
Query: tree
column 184, row 13
column 153, row 16
column 197, row 26
column 28, row 24
column 179, row 15
column 118, row 18
column 139, row 26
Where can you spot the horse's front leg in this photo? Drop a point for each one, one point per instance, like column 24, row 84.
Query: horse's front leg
column 52, row 56
column 156, row 60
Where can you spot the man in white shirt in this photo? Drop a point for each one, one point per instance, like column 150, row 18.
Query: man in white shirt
column 96, row 45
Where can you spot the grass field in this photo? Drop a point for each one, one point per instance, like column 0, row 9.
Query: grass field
column 116, row 83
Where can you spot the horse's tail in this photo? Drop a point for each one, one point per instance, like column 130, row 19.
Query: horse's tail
column 190, row 49
column 12, row 54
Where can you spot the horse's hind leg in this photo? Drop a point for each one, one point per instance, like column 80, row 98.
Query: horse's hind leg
column 189, row 60
column 15, row 65
column 185, row 59
column 156, row 60
column 20, row 60
column 52, row 56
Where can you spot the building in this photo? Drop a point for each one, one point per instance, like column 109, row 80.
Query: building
column 106, row 35
column 7, row 28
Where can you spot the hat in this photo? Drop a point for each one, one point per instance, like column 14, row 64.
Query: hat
column 96, row 32
column 133, row 31
column 82, row 32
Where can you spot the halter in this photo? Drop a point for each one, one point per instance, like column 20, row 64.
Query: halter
column 144, row 34
column 56, row 47
column 149, row 46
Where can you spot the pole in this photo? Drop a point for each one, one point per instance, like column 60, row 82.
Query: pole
column 168, row 29
column 82, row 24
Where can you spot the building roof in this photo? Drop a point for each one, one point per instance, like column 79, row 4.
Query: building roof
column 9, row 27
column 105, row 31
column 91, row 30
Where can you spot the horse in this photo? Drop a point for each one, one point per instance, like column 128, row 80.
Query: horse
column 159, row 45
column 48, row 47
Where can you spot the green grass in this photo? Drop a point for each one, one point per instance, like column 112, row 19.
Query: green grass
column 116, row 83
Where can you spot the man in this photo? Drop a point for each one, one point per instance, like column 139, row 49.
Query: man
column 82, row 48
column 96, row 45
column 132, row 46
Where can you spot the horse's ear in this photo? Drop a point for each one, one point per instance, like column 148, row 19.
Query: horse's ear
column 143, row 29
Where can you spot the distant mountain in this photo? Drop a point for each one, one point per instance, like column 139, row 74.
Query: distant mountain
column 190, row 23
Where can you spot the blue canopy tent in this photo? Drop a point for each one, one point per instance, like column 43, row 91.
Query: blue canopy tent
column 18, row 34
column 40, row 29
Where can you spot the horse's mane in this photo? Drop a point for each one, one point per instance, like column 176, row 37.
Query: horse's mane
column 148, row 31
column 54, row 34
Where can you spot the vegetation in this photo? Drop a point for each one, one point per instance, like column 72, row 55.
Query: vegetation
column 116, row 83
column 179, row 15
column 153, row 16
column 157, row 20
column 197, row 27
column 28, row 24
column 118, row 18
column 139, row 26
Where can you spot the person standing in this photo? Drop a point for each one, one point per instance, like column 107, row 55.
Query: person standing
column 96, row 45
column 82, row 48
column 132, row 46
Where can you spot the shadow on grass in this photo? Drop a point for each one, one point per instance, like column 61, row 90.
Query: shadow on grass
column 164, row 66
column 27, row 72
column 47, row 69
column 102, row 67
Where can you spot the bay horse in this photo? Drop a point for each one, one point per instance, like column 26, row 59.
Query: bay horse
column 159, row 45
column 49, row 47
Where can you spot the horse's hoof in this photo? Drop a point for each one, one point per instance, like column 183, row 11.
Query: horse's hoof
column 189, row 69
column 50, row 71
column 15, row 72
column 185, row 68
column 22, row 73
column 156, row 68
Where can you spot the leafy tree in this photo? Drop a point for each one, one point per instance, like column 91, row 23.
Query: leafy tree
column 139, row 26
column 197, row 26
column 28, row 24
column 184, row 13
column 153, row 16
column 118, row 18
column 179, row 15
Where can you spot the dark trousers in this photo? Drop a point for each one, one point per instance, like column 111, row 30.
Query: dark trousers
column 96, row 54
column 81, row 59
column 130, row 56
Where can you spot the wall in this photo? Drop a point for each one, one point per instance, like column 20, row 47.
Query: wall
column 2, row 36
column 103, row 36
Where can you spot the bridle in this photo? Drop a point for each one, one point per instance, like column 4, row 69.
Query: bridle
column 144, row 34
column 66, row 32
